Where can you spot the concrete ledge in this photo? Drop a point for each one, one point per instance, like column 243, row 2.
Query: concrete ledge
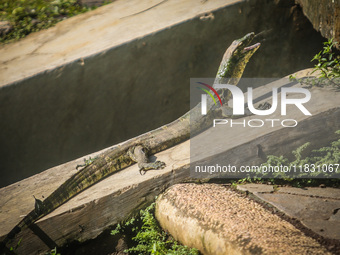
column 95, row 32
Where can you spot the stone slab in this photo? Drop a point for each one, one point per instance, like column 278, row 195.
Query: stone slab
column 316, row 208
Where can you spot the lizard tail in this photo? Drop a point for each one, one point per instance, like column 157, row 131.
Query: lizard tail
column 25, row 222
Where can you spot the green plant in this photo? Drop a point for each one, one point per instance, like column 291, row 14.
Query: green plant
column 87, row 162
column 150, row 238
column 327, row 67
column 53, row 252
column 327, row 62
column 13, row 249
column 275, row 188
column 318, row 158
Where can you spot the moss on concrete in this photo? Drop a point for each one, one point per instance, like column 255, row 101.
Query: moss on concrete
column 27, row 16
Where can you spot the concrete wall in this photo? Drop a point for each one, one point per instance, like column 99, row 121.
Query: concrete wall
column 100, row 100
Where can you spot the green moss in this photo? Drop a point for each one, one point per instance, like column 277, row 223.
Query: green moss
column 27, row 16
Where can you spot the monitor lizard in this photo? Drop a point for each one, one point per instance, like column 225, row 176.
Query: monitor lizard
column 136, row 150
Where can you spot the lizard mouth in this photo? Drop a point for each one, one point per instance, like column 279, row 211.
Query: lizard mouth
column 252, row 47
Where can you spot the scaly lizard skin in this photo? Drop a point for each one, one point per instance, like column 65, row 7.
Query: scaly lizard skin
column 136, row 149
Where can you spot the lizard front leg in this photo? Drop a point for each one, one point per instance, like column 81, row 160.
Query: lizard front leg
column 139, row 154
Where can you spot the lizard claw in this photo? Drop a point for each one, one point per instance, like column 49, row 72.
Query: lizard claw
column 264, row 106
column 148, row 166
column 158, row 165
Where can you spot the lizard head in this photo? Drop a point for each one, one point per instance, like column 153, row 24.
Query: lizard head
column 236, row 57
